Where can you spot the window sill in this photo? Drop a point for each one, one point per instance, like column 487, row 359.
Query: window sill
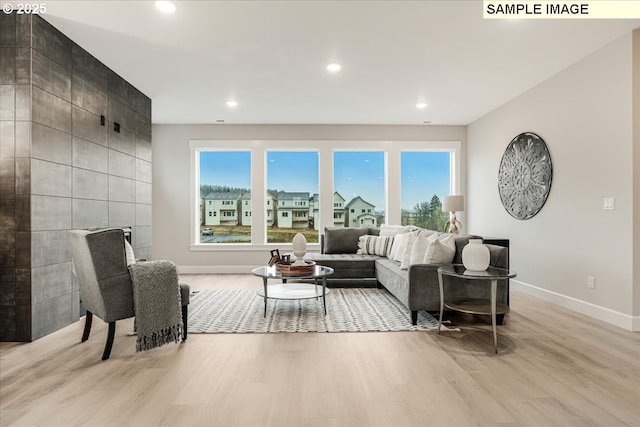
column 247, row 247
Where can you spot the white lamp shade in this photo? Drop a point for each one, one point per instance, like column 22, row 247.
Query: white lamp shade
column 453, row 204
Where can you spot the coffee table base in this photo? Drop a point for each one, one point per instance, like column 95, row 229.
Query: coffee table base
column 294, row 291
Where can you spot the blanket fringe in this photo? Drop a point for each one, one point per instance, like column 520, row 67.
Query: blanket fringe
column 159, row 338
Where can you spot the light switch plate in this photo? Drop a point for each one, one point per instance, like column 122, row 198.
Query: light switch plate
column 608, row 203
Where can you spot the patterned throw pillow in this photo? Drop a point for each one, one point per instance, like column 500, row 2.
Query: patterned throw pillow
column 374, row 245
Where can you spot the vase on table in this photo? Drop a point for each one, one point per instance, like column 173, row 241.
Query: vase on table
column 475, row 255
column 299, row 244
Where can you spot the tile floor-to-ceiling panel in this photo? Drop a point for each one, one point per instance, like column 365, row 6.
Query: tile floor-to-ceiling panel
column 63, row 165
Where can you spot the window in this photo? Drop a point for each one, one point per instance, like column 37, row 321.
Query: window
column 225, row 178
column 292, row 179
column 425, row 179
column 308, row 185
column 359, row 185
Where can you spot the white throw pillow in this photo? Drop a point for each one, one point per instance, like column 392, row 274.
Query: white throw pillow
column 420, row 247
column 374, row 245
column 392, row 230
column 406, row 255
column 399, row 240
column 441, row 250
column 128, row 250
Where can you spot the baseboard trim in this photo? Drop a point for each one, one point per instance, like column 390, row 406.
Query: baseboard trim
column 625, row 321
column 215, row 269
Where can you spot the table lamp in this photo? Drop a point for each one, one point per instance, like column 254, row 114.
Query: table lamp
column 453, row 204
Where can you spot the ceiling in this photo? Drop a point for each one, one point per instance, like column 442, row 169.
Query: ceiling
column 271, row 57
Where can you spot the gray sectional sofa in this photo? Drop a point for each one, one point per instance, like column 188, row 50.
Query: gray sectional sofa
column 417, row 287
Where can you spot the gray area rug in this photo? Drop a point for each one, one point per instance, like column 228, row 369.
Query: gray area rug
column 214, row 311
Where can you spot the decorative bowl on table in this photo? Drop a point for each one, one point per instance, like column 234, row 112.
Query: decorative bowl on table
column 295, row 270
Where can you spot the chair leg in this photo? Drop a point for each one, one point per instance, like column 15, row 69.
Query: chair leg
column 184, row 322
column 87, row 326
column 109, row 344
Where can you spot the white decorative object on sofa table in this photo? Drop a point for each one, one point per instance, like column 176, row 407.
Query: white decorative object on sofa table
column 475, row 255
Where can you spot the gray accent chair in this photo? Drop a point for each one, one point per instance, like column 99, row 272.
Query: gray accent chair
column 105, row 283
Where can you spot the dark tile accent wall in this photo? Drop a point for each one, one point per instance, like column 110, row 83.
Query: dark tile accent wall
column 15, row 116
column 61, row 169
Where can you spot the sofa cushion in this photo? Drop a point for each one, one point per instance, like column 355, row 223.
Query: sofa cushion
column 346, row 266
column 374, row 245
column 341, row 240
column 394, row 279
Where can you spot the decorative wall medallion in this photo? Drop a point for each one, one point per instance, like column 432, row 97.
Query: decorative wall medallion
column 524, row 178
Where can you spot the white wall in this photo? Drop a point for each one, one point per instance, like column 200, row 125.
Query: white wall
column 636, row 178
column 584, row 114
column 171, row 177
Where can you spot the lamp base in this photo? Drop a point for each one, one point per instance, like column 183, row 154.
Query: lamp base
column 452, row 226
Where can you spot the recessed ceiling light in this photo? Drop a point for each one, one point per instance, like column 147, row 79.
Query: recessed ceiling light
column 232, row 104
column 421, row 105
column 166, row 6
column 334, row 68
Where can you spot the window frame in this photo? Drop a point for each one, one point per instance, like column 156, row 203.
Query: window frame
column 325, row 149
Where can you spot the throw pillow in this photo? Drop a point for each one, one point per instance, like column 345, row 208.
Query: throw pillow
column 411, row 240
column 441, row 250
column 392, row 230
column 374, row 245
column 397, row 249
column 128, row 250
column 420, row 247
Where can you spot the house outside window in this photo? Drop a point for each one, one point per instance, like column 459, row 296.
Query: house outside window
column 307, row 207
column 360, row 177
column 292, row 179
column 225, row 177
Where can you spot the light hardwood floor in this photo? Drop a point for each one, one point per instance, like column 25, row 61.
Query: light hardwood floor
column 555, row 368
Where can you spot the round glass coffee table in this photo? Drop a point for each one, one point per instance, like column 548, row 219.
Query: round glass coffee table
column 475, row 305
column 293, row 290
